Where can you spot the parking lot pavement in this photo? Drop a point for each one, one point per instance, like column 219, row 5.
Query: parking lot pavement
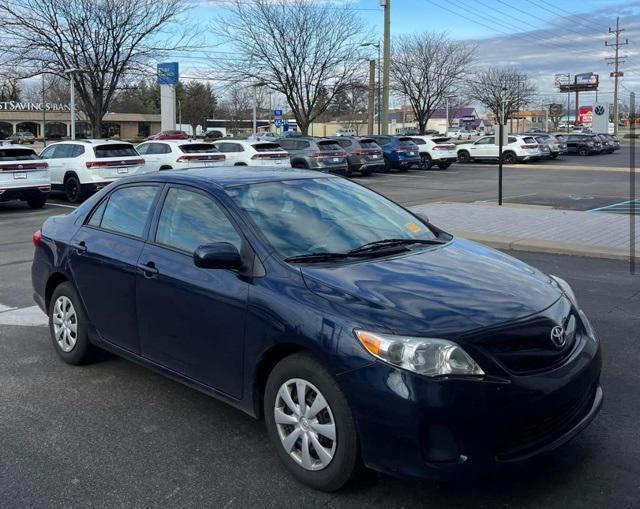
column 113, row 434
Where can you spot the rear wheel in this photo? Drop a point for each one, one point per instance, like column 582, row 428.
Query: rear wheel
column 73, row 189
column 583, row 152
column 387, row 165
column 509, row 158
column 165, row 168
column 310, row 423
column 553, row 156
column 464, row 157
column 427, row 162
column 443, row 166
column 37, row 203
column 365, row 173
column 68, row 326
column 300, row 166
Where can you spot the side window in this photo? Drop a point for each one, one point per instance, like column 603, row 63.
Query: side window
column 286, row 144
column 302, row 145
column 96, row 217
column 222, row 147
column 127, row 210
column 486, row 141
column 511, row 139
column 64, row 151
column 163, row 148
column 47, row 153
column 344, row 142
column 77, row 151
column 142, row 149
column 190, row 219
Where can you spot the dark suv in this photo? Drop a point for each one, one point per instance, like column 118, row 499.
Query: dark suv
column 315, row 154
column 400, row 152
column 583, row 144
column 363, row 154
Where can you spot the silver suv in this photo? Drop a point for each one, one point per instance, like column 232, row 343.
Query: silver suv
column 316, row 154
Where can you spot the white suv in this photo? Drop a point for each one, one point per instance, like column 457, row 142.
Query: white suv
column 518, row 149
column 254, row 153
column 435, row 150
column 84, row 166
column 162, row 155
column 23, row 176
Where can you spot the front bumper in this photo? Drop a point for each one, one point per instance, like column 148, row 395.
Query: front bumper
column 414, row 426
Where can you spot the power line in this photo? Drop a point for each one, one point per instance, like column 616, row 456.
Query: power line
column 570, row 13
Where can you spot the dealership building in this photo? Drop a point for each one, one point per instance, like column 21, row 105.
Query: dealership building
column 55, row 121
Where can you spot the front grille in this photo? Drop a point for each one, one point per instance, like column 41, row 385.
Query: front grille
column 528, row 435
column 526, row 346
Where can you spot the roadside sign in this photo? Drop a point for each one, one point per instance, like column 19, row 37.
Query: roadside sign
column 278, row 122
column 168, row 73
column 277, row 113
column 285, row 126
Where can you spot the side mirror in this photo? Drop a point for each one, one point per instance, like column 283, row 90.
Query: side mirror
column 423, row 217
column 219, row 255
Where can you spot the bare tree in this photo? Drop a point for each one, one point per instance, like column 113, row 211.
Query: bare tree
column 301, row 48
column 498, row 86
column 351, row 103
column 108, row 39
column 425, row 67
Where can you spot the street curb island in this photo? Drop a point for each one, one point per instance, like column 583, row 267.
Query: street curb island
column 535, row 229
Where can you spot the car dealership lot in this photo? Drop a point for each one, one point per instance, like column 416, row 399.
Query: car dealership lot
column 114, row 433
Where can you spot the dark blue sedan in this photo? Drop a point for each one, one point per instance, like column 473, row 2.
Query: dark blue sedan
column 361, row 333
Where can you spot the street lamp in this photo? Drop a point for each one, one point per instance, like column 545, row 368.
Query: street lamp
column 255, row 105
column 446, row 128
column 70, row 72
column 377, row 46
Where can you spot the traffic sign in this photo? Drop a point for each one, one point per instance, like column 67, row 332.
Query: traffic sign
column 277, row 122
column 168, row 73
column 285, row 126
column 277, row 113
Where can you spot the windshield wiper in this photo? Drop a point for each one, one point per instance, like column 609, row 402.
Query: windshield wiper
column 384, row 243
column 316, row 257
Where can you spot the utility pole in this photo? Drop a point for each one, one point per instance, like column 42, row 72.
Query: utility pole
column 616, row 73
column 386, row 65
column 372, row 93
column 44, row 113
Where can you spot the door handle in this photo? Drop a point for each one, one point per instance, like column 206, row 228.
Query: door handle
column 80, row 247
column 149, row 269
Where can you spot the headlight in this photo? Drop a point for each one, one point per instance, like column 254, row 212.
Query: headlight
column 425, row 356
column 566, row 289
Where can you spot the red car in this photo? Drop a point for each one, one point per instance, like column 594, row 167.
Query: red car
column 169, row 135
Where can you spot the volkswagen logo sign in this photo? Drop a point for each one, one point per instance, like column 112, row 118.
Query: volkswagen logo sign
column 20, row 167
column 558, row 337
column 599, row 110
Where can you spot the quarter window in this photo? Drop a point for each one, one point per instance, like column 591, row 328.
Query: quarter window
column 127, row 210
column 190, row 219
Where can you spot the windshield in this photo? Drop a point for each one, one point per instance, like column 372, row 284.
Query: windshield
column 325, row 215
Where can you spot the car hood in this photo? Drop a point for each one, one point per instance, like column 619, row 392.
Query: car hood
column 444, row 290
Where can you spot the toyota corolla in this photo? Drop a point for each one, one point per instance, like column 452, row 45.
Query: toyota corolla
column 362, row 334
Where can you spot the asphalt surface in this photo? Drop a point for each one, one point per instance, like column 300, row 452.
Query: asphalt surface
column 114, row 434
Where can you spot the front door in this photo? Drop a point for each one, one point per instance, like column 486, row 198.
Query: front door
column 192, row 320
column 103, row 261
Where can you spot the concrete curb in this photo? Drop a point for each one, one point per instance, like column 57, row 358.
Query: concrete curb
column 541, row 246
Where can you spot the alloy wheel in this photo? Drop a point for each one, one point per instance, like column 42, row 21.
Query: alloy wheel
column 65, row 324
column 305, row 424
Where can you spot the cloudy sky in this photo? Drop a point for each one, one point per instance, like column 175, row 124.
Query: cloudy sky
column 541, row 37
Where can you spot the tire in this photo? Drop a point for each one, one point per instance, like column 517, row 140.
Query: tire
column 37, row 203
column 300, row 166
column 73, row 189
column 165, row 168
column 340, row 461
column 366, row 173
column 464, row 157
column 583, row 152
column 509, row 158
column 553, row 156
column 427, row 162
column 240, row 164
column 443, row 166
column 387, row 165
column 72, row 350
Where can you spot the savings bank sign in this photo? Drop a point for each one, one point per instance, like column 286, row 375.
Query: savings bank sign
column 29, row 106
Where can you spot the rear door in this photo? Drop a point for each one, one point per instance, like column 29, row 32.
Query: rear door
column 55, row 162
column 103, row 259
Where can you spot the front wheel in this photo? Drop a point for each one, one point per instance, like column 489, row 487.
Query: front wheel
column 583, row 152
column 509, row 158
column 464, row 157
column 310, row 423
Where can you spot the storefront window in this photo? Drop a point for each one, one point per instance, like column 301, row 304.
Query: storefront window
column 144, row 129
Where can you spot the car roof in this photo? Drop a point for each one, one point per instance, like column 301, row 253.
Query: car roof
column 178, row 142
column 91, row 142
column 228, row 176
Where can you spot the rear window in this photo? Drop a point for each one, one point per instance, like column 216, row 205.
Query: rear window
column 383, row 140
column 368, row 144
column 529, row 139
column 115, row 150
column 440, row 140
column 419, row 141
column 559, row 137
column 197, row 148
column 17, row 154
column 267, row 147
column 326, row 146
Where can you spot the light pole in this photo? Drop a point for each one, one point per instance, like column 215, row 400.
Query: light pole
column 70, row 73
column 377, row 46
column 255, row 105
column 446, row 126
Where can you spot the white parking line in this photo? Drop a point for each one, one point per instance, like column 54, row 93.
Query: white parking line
column 31, row 316
column 62, row 205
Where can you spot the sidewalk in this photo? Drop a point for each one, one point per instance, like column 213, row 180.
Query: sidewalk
column 539, row 229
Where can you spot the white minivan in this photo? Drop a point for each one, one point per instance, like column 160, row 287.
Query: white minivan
column 82, row 167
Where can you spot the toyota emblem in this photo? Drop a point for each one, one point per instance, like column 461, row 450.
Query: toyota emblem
column 599, row 110
column 558, row 337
